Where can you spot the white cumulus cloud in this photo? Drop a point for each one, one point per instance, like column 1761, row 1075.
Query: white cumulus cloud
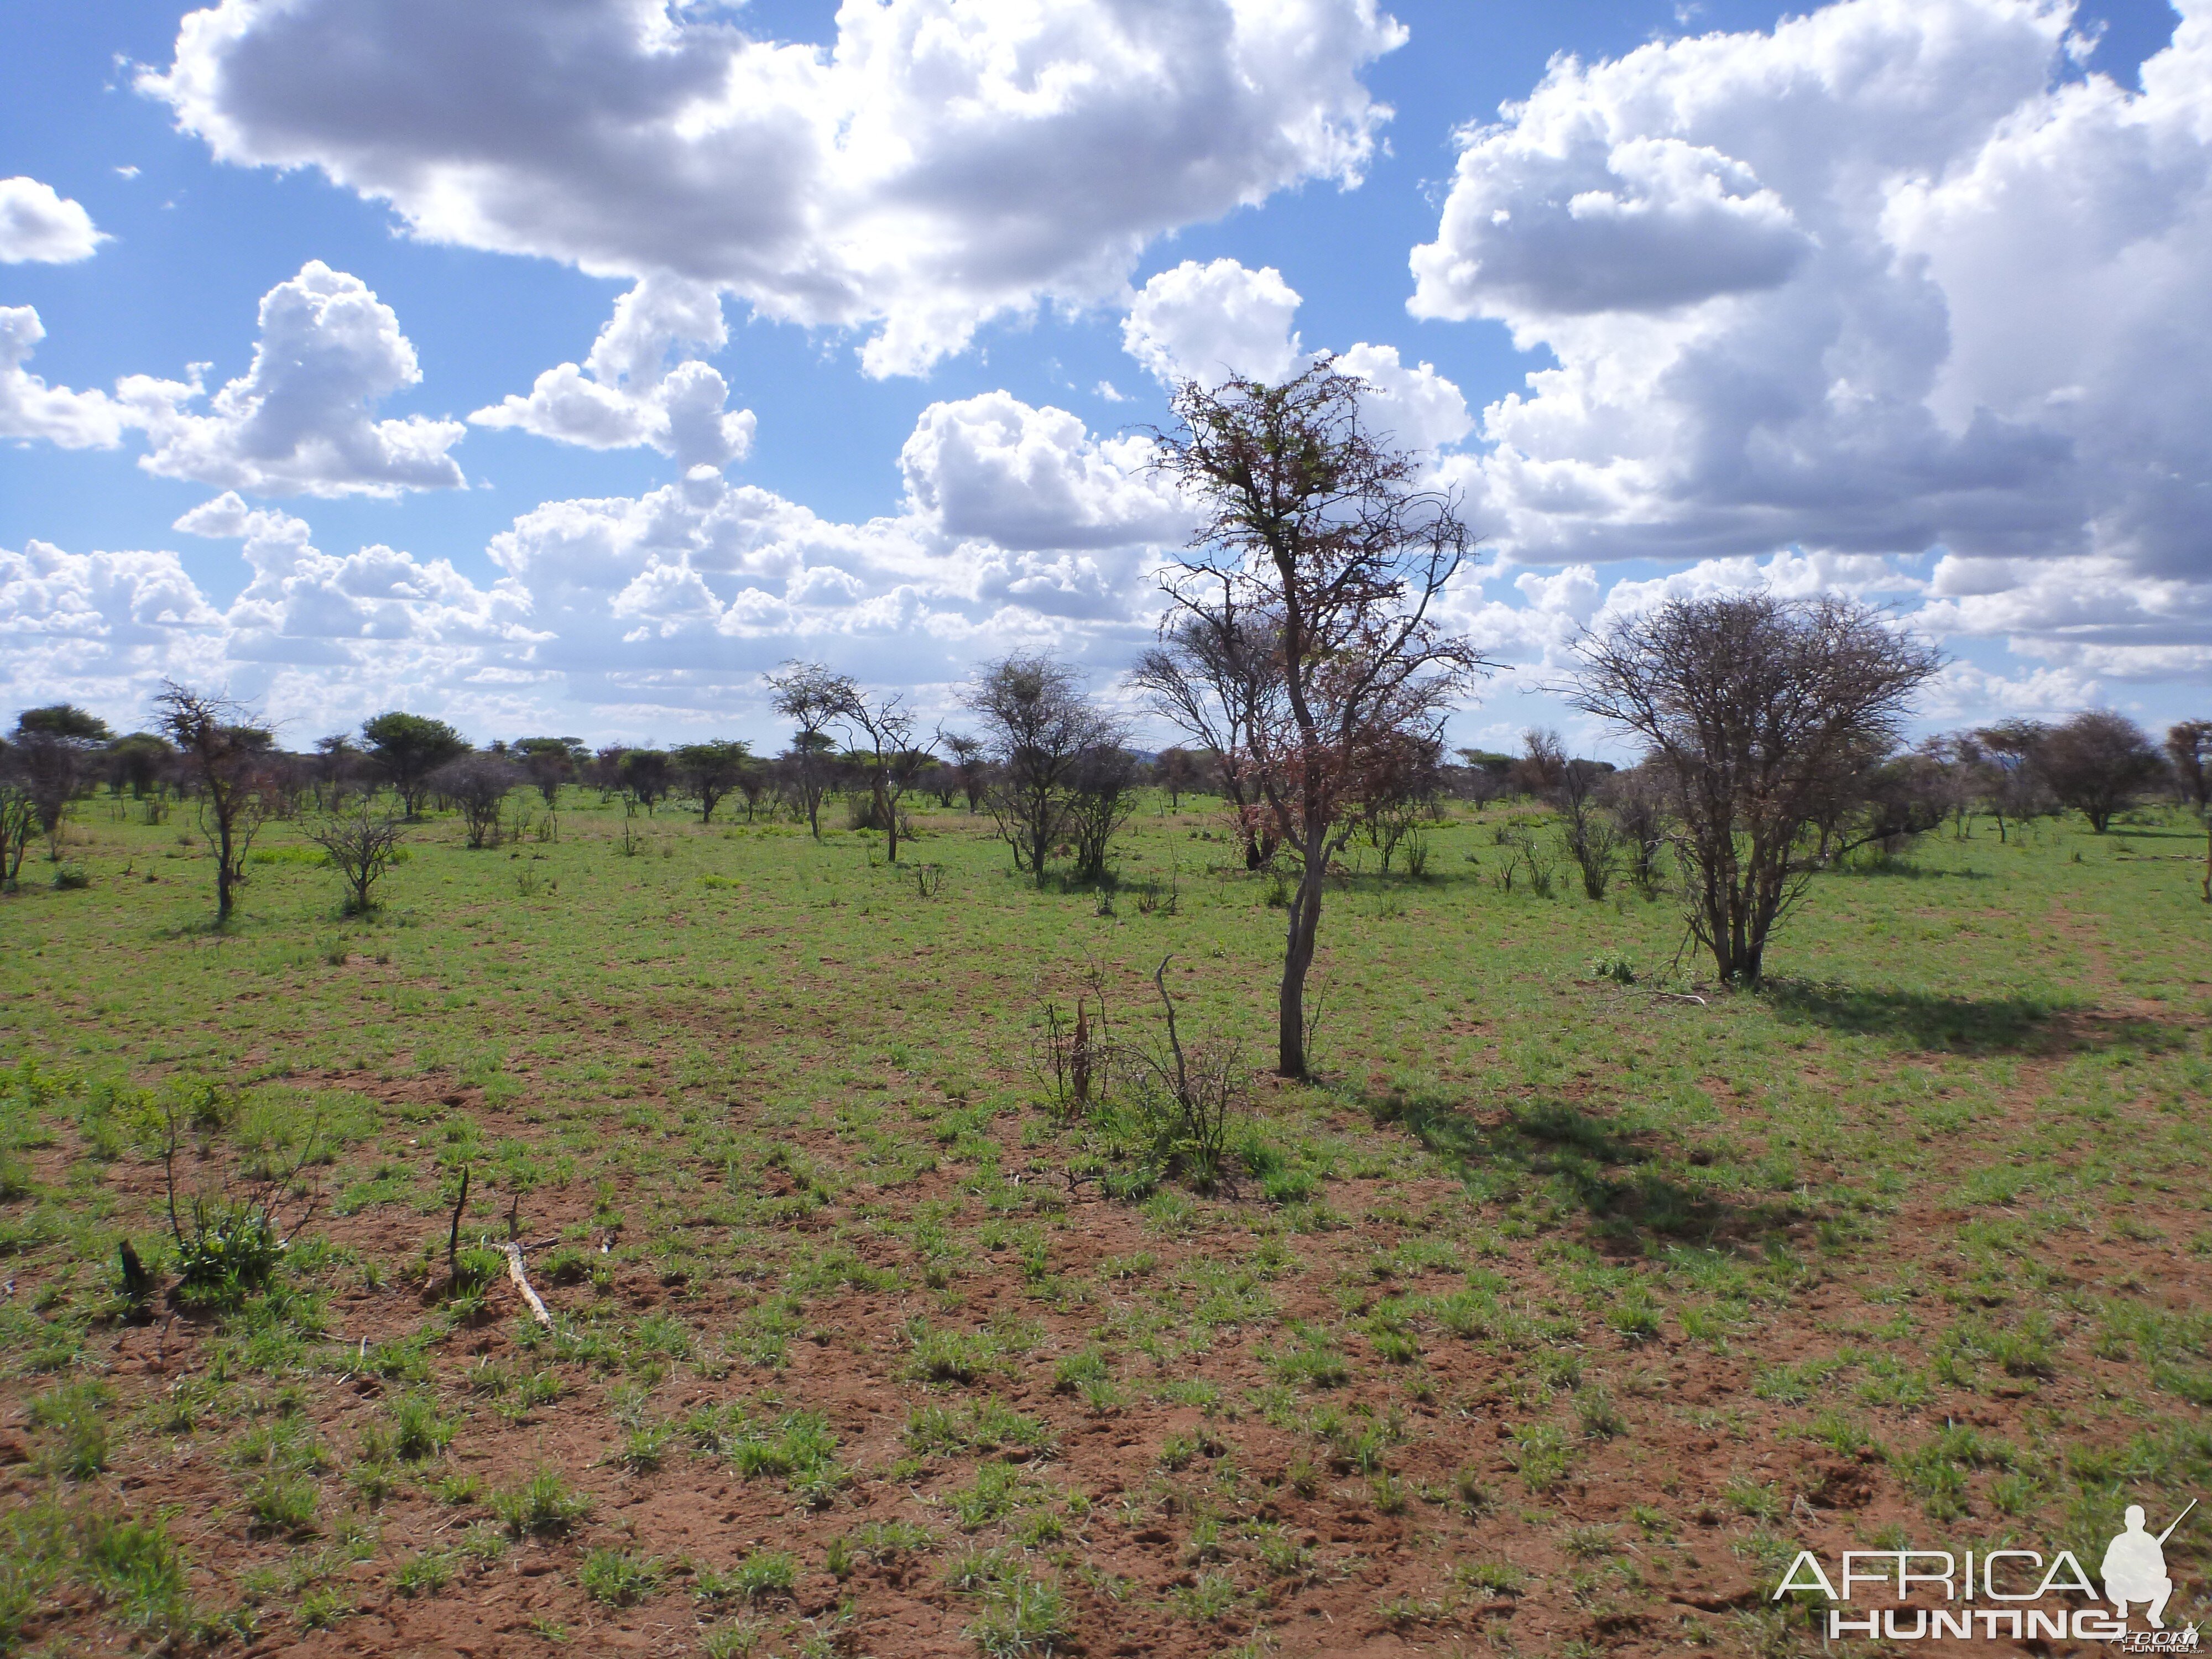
column 1207, row 322
column 1882, row 281
column 37, row 225
column 300, row 420
column 944, row 162
column 30, row 409
column 624, row 394
column 993, row 467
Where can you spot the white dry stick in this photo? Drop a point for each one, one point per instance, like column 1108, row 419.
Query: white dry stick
column 513, row 1253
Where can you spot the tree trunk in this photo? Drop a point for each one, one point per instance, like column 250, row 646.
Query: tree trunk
column 222, row 877
column 1297, row 958
column 888, row 813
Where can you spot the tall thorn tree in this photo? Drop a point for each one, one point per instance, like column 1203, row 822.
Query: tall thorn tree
column 1315, row 533
column 226, row 756
column 813, row 698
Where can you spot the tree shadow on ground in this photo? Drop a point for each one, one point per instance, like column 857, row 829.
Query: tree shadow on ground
column 1633, row 1188
column 1970, row 1025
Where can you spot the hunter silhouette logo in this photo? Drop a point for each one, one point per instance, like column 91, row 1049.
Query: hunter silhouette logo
column 2002, row 1594
column 2133, row 1568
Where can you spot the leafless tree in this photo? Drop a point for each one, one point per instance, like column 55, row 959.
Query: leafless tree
column 1315, row 533
column 1543, row 765
column 1637, row 798
column 884, row 728
column 812, row 698
column 1749, row 703
column 1040, row 727
column 1219, row 680
column 225, row 755
column 478, row 785
column 2096, row 763
column 362, row 845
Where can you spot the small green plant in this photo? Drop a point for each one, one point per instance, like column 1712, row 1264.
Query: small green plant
column 425, row 1573
column 227, row 1250
column 419, row 1433
column 942, row 1355
column 1540, row 1454
column 77, row 1413
column 543, row 1504
column 761, row 1575
column 281, row 1503
column 1021, row 1615
column 619, row 1578
column 1613, row 965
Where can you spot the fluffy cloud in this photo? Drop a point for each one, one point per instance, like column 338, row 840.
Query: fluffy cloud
column 300, row 421
column 1020, row 528
column 1882, row 280
column 99, row 629
column 945, row 161
column 37, row 225
column 1416, row 407
column 624, row 394
column 993, row 468
column 31, row 409
column 305, row 606
column 1206, row 323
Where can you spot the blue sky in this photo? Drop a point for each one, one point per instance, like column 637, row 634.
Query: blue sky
column 1893, row 297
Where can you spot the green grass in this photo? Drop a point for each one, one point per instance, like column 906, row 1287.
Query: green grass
column 769, row 1121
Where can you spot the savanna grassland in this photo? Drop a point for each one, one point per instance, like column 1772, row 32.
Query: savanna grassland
column 1554, row 1320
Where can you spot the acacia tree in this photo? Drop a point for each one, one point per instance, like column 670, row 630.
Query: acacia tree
column 226, row 756
column 19, row 816
column 1176, row 771
column 646, row 777
column 479, row 785
column 1101, row 798
column 885, row 725
column 550, row 763
column 1041, row 727
column 362, row 845
column 52, row 750
column 1592, row 837
column 711, row 770
column 1314, row 533
column 812, row 698
column 1750, row 704
column 2006, row 758
column 2095, row 764
column 970, row 767
column 408, row 748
